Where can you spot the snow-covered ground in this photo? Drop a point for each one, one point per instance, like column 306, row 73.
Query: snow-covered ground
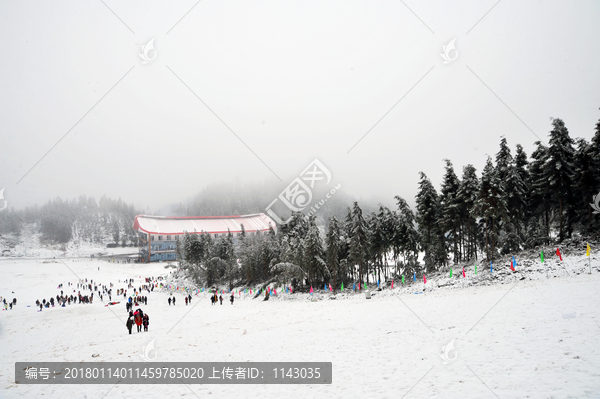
column 530, row 338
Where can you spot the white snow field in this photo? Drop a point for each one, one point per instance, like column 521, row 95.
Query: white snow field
column 532, row 338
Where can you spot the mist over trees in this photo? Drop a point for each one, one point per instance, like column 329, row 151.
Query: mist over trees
column 59, row 221
column 515, row 203
column 224, row 199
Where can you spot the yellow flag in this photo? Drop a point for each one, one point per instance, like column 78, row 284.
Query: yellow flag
column 587, row 253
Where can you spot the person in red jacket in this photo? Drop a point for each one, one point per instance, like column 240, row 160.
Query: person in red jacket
column 138, row 320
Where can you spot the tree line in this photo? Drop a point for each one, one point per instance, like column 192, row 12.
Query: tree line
column 516, row 203
column 59, row 221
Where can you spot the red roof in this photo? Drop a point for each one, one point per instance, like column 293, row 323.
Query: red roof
column 172, row 225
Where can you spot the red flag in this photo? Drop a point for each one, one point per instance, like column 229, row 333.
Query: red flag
column 330, row 289
column 424, row 280
column 558, row 253
column 311, row 290
column 392, row 284
column 464, row 275
column 512, row 267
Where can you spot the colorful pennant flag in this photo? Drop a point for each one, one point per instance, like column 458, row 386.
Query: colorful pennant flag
column 450, row 272
column 464, row 275
column 403, row 279
column 491, row 267
column 558, row 253
column 326, row 287
column 311, row 290
column 330, row 289
column 424, row 280
column 475, row 269
column 514, row 261
column 392, row 284
column 342, row 286
column 354, row 288
column 542, row 255
column 414, row 276
column 587, row 253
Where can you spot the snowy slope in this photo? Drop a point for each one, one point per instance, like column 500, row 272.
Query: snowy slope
column 535, row 337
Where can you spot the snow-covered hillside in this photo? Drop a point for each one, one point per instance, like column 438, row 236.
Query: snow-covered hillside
column 533, row 337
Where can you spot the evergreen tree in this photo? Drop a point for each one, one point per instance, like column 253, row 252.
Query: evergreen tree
column 467, row 198
column 586, row 184
column 559, row 173
column 358, row 241
column 427, row 219
column 538, row 230
column 490, row 206
column 450, row 218
column 334, row 243
column 314, row 253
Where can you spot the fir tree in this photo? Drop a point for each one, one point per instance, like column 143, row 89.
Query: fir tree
column 559, row 172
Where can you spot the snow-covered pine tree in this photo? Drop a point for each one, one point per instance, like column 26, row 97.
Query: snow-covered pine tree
column 559, row 174
column 359, row 241
column 490, row 206
column 467, row 197
column 334, row 244
column 427, row 219
column 314, row 254
column 449, row 217
column 586, row 184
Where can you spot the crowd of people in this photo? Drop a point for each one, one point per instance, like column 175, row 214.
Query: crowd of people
column 84, row 291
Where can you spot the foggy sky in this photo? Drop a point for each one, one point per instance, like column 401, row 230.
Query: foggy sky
column 293, row 80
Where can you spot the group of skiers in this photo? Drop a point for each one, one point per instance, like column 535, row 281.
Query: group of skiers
column 138, row 318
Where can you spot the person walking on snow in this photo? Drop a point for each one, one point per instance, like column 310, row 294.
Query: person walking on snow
column 231, row 298
column 138, row 320
column 129, row 323
column 221, row 299
column 169, row 301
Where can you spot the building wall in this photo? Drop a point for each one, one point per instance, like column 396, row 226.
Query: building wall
column 162, row 247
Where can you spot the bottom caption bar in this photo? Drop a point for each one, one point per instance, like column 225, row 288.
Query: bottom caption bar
column 173, row 373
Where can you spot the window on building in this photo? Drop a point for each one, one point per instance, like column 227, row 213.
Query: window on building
column 159, row 238
column 168, row 238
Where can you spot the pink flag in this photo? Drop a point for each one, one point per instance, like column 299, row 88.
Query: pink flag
column 274, row 291
column 464, row 275
column 392, row 284
column 311, row 290
column 330, row 289
column 424, row 280
column 290, row 288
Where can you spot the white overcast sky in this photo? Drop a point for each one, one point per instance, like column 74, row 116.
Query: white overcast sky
column 295, row 81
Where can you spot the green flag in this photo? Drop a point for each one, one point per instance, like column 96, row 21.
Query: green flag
column 475, row 269
column 403, row 279
column 450, row 272
column 542, row 255
column 364, row 286
column 342, row 286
